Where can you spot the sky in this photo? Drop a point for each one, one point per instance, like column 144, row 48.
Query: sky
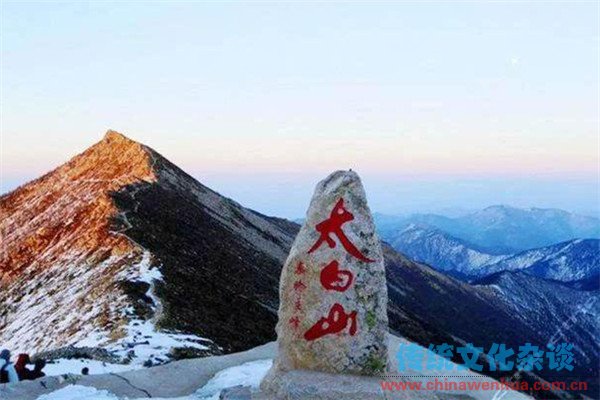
column 437, row 105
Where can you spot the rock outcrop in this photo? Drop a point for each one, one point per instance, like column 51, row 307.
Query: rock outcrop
column 333, row 296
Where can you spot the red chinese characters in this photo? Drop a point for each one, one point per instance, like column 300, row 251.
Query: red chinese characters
column 295, row 322
column 332, row 277
column 299, row 287
column 335, row 322
column 333, row 226
column 300, row 269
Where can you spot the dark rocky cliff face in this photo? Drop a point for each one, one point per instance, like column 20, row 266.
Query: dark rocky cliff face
column 215, row 282
column 220, row 262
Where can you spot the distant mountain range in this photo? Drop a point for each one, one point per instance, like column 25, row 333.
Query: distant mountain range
column 429, row 239
column 122, row 250
column 501, row 229
column 432, row 246
column 573, row 261
column 427, row 306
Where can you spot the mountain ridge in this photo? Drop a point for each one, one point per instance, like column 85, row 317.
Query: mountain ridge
column 74, row 229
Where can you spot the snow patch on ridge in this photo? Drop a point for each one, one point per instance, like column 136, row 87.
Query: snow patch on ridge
column 143, row 343
column 76, row 303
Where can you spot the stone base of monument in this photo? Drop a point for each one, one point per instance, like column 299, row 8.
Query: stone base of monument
column 300, row 384
column 312, row 385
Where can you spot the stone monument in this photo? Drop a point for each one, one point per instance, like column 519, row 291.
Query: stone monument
column 333, row 294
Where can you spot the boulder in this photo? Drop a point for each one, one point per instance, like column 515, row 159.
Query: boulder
column 333, row 295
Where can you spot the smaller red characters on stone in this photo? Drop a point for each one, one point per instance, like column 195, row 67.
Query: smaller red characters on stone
column 299, row 286
column 333, row 278
column 295, row 322
column 298, row 305
column 300, row 268
column 335, row 322
column 333, row 226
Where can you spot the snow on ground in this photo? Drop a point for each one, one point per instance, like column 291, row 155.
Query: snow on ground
column 251, row 373
column 496, row 287
column 142, row 337
column 247, row 374
column 147, row 342
column 40, row 320
column 151, row 344
column 137, row 340
column 71, row 313
column 74, row 366
column 140, row 343
column 76, row 392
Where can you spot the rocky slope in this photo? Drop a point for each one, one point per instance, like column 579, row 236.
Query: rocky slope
column 118, row 240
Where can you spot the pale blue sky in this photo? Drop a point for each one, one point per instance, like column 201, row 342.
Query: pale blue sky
column 435, row 104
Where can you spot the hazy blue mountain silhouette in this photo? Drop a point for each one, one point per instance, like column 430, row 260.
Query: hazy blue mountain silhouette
column 501, row 229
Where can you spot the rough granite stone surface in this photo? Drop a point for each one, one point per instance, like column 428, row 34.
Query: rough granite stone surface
column 333, row 295
column 236, row 393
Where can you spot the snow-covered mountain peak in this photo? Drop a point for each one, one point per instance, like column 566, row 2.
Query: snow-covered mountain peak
column 79, row 242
